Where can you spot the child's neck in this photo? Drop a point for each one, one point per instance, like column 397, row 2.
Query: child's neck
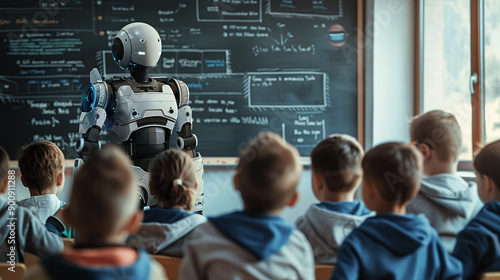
column 394, row 209
column 338, row 196
column 435, row 168
column 35, row 192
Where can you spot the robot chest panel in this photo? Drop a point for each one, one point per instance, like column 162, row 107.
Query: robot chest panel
column 140, row 107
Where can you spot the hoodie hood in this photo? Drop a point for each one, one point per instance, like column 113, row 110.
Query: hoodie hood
column 163, row 227
column 489, row 216
column 262, row 235
column 356, row 208
column 60, row 268
column 399, row 234
column 164, row 215
column 452, row 193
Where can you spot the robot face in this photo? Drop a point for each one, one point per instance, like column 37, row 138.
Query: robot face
column 137, row 43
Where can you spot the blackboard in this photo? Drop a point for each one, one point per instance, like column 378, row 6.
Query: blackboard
column 287, row 66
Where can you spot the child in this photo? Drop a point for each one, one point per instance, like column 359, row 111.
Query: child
column 448, row 201
column 255, row 243
column 21, row 230
column 393, row 244
column 166, row 228
column 478, row 245
column 103, row 210
column 42, row 172
column 336, row 175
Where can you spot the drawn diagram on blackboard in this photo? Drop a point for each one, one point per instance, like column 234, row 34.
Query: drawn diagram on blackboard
column 328, row 9
column 230, row 10
column 282, row 45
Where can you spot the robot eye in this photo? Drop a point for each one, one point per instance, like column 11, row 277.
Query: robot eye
column 142, row 40
column 117, row 50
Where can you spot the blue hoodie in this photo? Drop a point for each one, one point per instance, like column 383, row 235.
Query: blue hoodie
column 58, row 268
column 478, row 245
column 390, row 246
column 260, row 234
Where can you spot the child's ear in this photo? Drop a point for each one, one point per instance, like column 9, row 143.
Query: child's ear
column 316, row 181
column 489, row 185
column 235, row 181
column 425, row 150
column 5, row 184
column 134, row 223
column 60, row 179
column 293, row 200
column 196, row 185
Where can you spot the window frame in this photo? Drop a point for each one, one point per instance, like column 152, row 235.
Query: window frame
column 477, row 66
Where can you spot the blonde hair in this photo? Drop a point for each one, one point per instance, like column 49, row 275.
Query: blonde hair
column 268, row 172
column 173, row 179
column 440, row 131
column 40, row 164
column 337, row 159
column 103, row 197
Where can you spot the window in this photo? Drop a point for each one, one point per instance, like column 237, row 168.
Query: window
column 457, row 39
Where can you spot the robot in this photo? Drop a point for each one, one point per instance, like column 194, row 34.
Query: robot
column 138, row 111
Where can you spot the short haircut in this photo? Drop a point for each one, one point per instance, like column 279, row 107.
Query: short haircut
column 40, row 163
column 440, row 131
column 103, row 196
column 4, row 165
column 487, row 162
column 164, row 170
column 337, row 159
column 268, row 172
column 394, row 169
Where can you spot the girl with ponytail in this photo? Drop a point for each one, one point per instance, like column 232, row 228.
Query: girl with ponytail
column 168, row 226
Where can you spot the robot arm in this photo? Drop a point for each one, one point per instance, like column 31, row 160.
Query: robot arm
column 95, row 110
column 187, row 141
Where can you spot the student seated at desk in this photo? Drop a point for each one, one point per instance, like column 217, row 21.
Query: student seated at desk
column 447, row 200
column 103, row 209
column 21, row 229
column 336, row 175
column 393, row 245
column 478, row 245
column 42, row 172
column 166, row 228
column 255, row 243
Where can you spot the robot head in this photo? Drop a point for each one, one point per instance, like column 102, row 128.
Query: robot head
column 137, row 43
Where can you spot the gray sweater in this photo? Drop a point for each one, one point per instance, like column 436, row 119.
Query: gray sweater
column 23, row 231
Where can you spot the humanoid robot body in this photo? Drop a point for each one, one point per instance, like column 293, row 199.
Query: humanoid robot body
column 138, row 111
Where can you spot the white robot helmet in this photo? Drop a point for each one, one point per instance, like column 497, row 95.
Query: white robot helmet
column 137, row 43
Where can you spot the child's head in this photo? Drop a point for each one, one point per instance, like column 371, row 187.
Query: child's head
column 439, row 139
column 391, row 176
column 4, row 170
column 267, row 174
column 336, row 167
column 42, row 168
column 173, row 180
column 103, row 204
column 487, row 166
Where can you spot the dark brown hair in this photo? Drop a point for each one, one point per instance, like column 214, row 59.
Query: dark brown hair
column 103, row 196
column 487, row 162
column 4, row 165
column 394, row 169
column 337, row 159
column 268, row 172
column 164, row 170
column 40, row 163
column 440, row 131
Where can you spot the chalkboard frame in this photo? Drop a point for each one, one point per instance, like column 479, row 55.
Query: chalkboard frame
column 306, row 161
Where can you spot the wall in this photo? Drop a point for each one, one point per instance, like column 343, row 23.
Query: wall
column 389, row 103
